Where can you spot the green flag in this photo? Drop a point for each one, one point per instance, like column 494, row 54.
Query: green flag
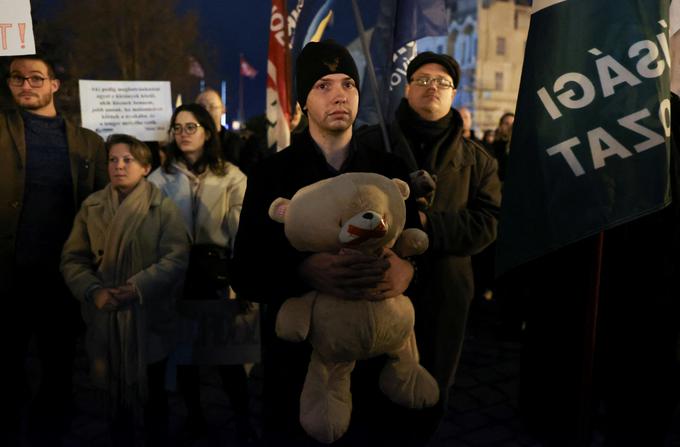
column 591, row 143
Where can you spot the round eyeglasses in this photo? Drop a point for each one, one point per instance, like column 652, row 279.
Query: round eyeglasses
column 440, row 82
column 188, row 128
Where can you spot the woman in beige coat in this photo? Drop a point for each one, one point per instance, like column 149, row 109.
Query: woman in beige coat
column 127, row 249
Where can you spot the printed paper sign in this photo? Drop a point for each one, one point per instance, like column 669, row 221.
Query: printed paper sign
column 16, row 28
column 138, row 108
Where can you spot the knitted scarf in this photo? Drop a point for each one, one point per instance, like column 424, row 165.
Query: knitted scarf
column 117, row 340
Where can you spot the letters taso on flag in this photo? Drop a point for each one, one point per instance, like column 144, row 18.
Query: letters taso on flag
column 590, row 146
column 247, row 70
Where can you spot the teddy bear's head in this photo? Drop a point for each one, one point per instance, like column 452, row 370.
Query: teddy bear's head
column 363, row 211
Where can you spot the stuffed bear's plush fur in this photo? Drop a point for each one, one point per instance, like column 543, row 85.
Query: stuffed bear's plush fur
column 364, row 212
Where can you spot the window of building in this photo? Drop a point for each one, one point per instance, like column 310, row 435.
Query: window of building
column 500, row 46
column 499, row 80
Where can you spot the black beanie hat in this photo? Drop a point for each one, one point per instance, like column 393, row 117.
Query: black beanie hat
column 318, row 59
column 428, row 57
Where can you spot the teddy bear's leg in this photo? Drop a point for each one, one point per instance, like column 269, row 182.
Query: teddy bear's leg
column 405, row 381
column 294, row 317
column 326, row 400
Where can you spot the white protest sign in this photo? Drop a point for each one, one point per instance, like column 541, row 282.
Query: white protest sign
column 16, row 28
column 138, row 108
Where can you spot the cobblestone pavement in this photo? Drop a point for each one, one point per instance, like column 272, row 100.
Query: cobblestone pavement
column 483, row 408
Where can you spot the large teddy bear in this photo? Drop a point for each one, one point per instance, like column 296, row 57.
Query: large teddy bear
column 365, row 212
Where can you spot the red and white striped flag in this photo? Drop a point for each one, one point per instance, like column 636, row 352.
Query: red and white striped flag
column 247, row 70
column 278, row 78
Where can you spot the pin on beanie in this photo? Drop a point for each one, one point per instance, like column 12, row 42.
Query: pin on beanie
column 318, row 59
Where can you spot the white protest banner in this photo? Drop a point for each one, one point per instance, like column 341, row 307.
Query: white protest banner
column 16, row 28
column 138, row 108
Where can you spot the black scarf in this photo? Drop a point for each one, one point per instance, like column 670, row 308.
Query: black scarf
column 424, row 136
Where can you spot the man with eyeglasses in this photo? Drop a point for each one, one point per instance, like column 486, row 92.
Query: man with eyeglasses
column 47, row 167
column 458, row 190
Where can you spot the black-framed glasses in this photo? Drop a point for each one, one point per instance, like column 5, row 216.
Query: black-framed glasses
column 188, row 128
column 441, row 82
column 34, row 81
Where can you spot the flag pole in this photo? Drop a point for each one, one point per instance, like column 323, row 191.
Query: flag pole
column 589, row 340
column 371, row 74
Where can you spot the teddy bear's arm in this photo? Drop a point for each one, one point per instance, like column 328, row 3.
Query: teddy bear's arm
column 295, row 316
column 411, row 242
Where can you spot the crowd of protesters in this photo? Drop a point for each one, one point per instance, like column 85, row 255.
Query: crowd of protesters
column 95, row 243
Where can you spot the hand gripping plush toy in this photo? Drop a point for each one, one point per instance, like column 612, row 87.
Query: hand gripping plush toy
column 364, row 212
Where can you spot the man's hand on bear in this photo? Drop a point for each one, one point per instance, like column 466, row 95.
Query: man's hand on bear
column 397, row 277
column 353, row 275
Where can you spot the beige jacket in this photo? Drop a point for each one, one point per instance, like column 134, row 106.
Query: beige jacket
column 164, row 244
column 219, row 203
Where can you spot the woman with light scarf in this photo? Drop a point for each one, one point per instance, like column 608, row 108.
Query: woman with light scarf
column 127, row 249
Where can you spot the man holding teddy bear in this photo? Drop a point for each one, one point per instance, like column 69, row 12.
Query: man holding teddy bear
column 327, row 86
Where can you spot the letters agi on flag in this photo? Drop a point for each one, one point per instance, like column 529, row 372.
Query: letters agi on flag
column 590, row 147
column 651, row 59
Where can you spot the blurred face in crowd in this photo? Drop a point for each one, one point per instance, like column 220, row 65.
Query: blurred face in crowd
column 432, row 101
column 125, row 171
column 189, row 135
column 467, row 120
column 297, row 116
column 212, row 102
column 32, row 87
column 505, row 126
column 332, row 104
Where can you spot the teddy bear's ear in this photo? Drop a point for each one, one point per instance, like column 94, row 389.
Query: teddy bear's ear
column 278, row 208
column 403, row 187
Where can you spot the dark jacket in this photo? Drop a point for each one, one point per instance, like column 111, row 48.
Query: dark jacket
column 281, row 175
column 88, row 170
column 462, row 221
column 266, row 270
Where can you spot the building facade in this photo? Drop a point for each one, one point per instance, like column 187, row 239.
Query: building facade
column 487, row 38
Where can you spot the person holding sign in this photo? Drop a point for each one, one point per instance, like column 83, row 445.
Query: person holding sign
column 209, row 192
column 122, row 260
column 48, row 166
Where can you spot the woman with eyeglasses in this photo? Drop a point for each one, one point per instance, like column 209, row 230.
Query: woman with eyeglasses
column 209, row 192
column 122, row 259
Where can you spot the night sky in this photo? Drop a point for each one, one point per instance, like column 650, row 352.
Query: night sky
column 232, row 30
column 233, row 27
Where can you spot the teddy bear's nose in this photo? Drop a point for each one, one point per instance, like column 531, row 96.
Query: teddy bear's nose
column 362, row 227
